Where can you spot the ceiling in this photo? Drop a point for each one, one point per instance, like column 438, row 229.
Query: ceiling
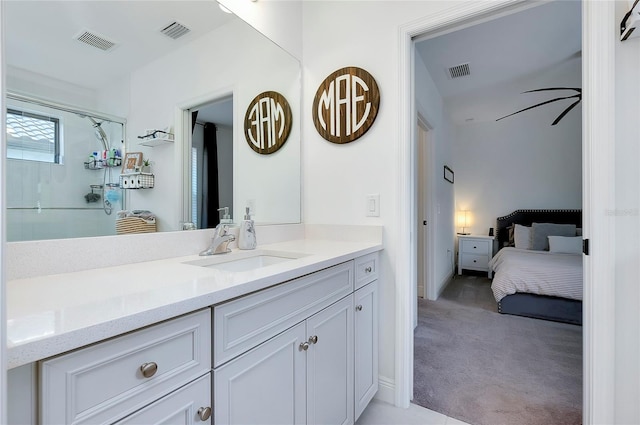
column 39, row 35
column 506, row 56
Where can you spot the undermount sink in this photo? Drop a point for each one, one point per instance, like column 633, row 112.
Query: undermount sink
column 246, row 260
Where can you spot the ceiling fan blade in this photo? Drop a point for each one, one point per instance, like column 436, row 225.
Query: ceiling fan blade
column 543, row 103
column 566, row 111
column 579, row 90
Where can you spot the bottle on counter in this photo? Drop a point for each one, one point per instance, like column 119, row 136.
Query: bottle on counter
column 247, row 234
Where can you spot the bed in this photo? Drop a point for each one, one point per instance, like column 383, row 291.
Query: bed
column 537, row 283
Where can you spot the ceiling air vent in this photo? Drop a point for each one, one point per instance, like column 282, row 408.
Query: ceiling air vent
column 175, row 30
column 95, row 40
column 459, row 71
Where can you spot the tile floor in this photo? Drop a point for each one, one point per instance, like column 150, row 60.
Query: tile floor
column 381, row 413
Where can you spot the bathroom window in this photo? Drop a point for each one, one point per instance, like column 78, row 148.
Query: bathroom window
column 33, row 137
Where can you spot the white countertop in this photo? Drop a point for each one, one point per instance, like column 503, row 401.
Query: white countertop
column 49, row 315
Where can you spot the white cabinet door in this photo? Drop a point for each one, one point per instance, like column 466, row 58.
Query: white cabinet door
column 366, row 345
column 330, row 365
column 266, row 385
column 184, row 406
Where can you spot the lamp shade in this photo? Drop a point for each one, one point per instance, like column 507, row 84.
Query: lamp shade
column 463, row 219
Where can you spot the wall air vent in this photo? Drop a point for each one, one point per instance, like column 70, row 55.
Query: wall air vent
column 95, row 40
column 458, row 71
column 175, row 30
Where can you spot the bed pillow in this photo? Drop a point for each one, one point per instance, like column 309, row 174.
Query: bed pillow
column 565, row 244
column 511, row 241
column 540, row 233
column 522, row 236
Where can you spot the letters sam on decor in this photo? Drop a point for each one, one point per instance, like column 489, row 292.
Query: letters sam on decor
column 267, row 122
column 346, row 105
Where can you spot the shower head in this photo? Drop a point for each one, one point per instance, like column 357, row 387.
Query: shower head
column 100, row 134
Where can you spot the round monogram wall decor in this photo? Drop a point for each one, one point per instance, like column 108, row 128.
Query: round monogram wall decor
column 267, row 122
column 346, row 105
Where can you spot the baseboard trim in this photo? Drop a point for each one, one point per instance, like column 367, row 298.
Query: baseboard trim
column 386, row 390
column 443, row 284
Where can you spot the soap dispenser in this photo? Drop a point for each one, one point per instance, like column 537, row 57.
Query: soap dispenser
column 247, row 236
column 226, row 218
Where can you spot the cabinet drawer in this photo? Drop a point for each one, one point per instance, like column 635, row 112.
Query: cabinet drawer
column 470, row 261
column 104, row 382
column 179, row 407
column 244, row 323
column 475, row 247
column 366, row 269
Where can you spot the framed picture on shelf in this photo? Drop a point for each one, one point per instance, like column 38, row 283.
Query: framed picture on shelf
column 132, row 162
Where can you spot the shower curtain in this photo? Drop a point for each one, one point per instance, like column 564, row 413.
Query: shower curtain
column 209, row 216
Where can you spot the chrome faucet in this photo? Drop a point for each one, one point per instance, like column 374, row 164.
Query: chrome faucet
column 220, row 241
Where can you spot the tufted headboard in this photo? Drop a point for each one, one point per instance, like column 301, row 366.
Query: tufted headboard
column 526, row 217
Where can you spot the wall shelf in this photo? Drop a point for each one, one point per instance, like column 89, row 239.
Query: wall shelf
column 156, row 142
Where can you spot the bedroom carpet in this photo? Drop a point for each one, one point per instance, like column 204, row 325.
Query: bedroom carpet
column 485, row 368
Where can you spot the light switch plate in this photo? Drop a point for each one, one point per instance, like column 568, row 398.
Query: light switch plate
column 372, row 206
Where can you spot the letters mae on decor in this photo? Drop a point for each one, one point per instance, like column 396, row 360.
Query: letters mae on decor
column 267, row 122
column 346, row 105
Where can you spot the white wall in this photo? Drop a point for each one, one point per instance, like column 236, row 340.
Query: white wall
column 202, row 69
column 42, row 87
column 338, row 177
column 521, row 162
column 627, row 225
column 430, row 106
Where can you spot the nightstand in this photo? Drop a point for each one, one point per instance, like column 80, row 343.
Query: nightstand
column 474, row 253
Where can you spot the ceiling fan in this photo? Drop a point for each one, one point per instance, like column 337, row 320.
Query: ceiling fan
column 578, row 96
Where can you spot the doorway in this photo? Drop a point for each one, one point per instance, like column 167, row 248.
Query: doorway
column 479, row 150
column 191, row 117
column 211, row 162
column 599, row 24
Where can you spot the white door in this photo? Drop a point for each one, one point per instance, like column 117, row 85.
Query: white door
column 366, row 346
column 266, row 385
column 330, row 365
column 423, row 214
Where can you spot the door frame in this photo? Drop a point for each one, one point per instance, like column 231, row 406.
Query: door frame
column 598, row 128
column 182, row 130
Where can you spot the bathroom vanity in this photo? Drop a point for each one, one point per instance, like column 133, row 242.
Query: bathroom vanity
column 284, row 334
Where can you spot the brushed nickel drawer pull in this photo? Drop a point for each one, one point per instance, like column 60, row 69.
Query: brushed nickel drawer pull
column 359, row 307
column 368, row 269
column 313, row 339
column 149, row 369
column 304, row 346
column 204, row 413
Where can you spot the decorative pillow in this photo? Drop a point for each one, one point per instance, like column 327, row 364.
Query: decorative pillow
column 511, row 241
column 541, row 231
column 522, row 236
column 565, row 244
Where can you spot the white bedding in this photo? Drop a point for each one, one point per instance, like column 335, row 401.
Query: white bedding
column 536, row 272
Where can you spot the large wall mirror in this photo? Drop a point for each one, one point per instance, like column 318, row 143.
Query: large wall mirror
column 103, row 73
